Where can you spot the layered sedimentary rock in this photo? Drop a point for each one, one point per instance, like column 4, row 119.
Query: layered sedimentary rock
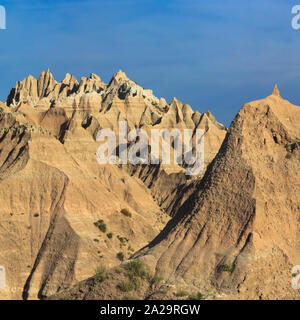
column 238, row 233
column 236, row 236
column 62, row 214
column 61, row 107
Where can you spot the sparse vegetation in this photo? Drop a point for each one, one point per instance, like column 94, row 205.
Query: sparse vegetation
column 156, row 279
column 160, row 217
column 164, row 289
column 181, row 293
column 135, row 271
column 100, row 225
column 229, row 267
column 196, row 296
column 126, row 286
column 126, row 213
column 130, row 250
column 136, row 268
column 96, row 240
column 123, row 241
column 109, row 235
column 120, row 256
column 100, row 274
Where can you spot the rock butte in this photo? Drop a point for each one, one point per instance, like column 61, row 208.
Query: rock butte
column 233, row 233
column 53, row 191
column 236, row 236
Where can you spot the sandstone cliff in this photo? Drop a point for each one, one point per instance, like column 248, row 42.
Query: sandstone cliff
column 62, row 214
column 236, row 236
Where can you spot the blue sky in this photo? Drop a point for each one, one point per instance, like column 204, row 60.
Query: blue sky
column 211, row 54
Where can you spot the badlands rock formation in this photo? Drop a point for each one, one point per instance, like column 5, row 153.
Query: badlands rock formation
column 237, row 234
column 61, row 212
column 70, row 110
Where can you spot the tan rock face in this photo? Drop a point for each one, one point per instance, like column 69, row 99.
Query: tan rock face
column 95, row 105
column 238, row 233
column 236, row 236
column 53, row 191
column 51, row 195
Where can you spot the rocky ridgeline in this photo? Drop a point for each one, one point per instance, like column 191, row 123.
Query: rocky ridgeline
column 236, row 235
column 47, row 92
column 62, row 214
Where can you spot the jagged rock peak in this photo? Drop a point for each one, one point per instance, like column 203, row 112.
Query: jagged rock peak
column 69, row 78
column 121, row 76
column 242, row 189
column 118, row 78
column 46, row 83
column 174, row 101
column 209, row 115
column 94, row 76
column 276, row 91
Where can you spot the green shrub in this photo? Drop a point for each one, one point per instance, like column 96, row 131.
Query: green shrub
column 156, row 279
column 135, row 271
column 120, row 256
column 165, row 289
column 196, row 296
column 123, row 241
column 36, row 215
column 181, row 293
column 100, row 225
column 126, row 286
column 126, row 213
column 229, row 267
column 199, row 296
column 130, row 248
column 136, row 268
column 109, row 235
column 100, row 275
